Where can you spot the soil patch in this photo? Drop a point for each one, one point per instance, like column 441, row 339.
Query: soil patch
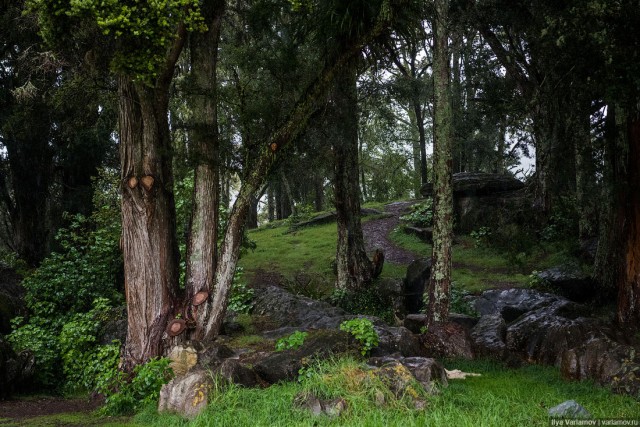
column 20, row 409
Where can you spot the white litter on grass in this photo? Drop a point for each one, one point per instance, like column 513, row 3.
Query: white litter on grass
column 457, row 374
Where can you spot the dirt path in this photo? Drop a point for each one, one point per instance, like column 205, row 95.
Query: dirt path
column 18, row 410
column 376, row 234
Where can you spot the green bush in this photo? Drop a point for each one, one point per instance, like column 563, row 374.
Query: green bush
column 128, row 395
column 61, row 293
column 241, row 299
column 367, row 301
column 421, row 214
column 363, row 331
column 40, row 336
column 292, row 342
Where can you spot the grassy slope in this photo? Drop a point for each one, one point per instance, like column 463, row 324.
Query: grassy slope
column 311, row 250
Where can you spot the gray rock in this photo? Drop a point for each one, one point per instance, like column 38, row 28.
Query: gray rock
column 284, row 365
column 282, row 308
column 239, row 373
column 484, row 199
column 424, row 234
column 186, row 395
column 397, row 340
column 543, row 335
column 489, row 337
column 569, row 281
column 569, row 409
column 417, row 274
column 512, row 303
column 310, row 402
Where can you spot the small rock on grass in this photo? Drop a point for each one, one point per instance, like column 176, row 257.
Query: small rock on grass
column 569, row 409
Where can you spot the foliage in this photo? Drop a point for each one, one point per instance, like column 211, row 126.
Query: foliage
column 40, row 336
column 458, row 302
column 241, row 299
column 481, row 236
column 69, row 295
column 368, row 301
column 127, row 395
column 421, row 214
column 363, row 331
column 144, row 30
column 77, row 340
column 292, row 342
column 302, row 213
column 563, row 222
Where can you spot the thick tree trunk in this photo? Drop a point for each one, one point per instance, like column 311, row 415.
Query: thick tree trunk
column 148, row 219
column 203, row 235
column 628, row 312
column 440, row 280
column 353, row 266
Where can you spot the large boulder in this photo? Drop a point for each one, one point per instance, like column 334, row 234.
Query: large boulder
column 485, row 199
column 397, row 340
column 489, row 336
column 284, row 365
column 569, row 281
column 186, row 394
column 417, row 274
column 281, row 308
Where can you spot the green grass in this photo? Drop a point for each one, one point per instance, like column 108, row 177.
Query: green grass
column 80, row 419
column 500, row 397
column 310, row 250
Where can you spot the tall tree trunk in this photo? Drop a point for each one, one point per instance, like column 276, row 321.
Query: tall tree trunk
column 203, row 235
column 628, row 312
column 148, row 219
column 212, row 312
column 440, row 279
column 353, row 266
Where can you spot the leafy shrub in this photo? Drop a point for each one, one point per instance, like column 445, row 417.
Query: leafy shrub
column 61, row 293
column 78, row 349
column 40, row 336
column 363, row 331
column 421, row 214
column 367, row 301
column 459, row 303
column 241, row 299
column 127, row 395
column 481, row 237
column 292, row 342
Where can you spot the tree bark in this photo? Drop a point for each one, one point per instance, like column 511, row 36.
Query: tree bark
column 628, row 312
column 148, row 219
column 203, row 235
column 440, row 279
column 353, row 266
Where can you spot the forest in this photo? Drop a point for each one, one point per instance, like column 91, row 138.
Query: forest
column 305, row 212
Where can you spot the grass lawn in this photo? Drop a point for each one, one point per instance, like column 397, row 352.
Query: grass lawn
column 499, row 397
